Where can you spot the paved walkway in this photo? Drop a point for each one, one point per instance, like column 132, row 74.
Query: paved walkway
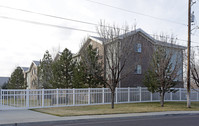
column 25, row 116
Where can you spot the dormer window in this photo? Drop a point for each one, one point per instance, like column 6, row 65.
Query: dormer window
column 138, row 47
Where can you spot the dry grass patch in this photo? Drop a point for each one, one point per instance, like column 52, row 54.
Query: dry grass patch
column 119, row 108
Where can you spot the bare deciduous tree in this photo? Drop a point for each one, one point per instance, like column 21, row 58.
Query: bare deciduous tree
column 194, row 69
column 165, row 70
column 117, row 45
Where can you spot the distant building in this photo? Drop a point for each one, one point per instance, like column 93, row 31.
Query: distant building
column 25, row 70
column 57, row 57
column 3, row 80
column 74, row 56
column 32, row 75
column 97, row 43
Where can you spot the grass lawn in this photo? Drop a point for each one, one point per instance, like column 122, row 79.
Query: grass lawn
column 119, row 108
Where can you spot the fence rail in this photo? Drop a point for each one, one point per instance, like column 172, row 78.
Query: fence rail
column 42, row 98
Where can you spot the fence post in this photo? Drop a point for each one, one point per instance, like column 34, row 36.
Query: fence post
column 14, row 98
column 27, row 98
column 103, row 95
column 151, row 96
column 57, row 96
column 180, row 94
column 89, row 96
column 73, row 97
column 116, row 95
column 128, row 94
column 1, row 97
column 140, row 90
column 42, row 98
column 171, row 96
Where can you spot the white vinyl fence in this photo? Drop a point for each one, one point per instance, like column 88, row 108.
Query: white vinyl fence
column 42, row 98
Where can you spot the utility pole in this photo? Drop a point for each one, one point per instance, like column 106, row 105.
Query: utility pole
column 188, row 58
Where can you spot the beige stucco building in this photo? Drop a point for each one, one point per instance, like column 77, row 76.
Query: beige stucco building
column 32, row 75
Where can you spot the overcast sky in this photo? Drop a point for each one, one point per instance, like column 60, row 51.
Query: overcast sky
column 21, row 42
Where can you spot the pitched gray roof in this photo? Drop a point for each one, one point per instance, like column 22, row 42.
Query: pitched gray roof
column 59, row 53
column 37, row 62
column 157, row 42
column 99, row 38
column 25, row 68
column 147, row 35
column 3, row 80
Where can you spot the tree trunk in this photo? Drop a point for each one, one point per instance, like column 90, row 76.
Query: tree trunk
column 112, row 99
column 162, row 98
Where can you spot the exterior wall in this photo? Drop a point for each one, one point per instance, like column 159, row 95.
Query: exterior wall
column 95, row 44
column 142, row 58
column 57, row 57
column 100, row 49
column 76, row 58
column 28, row 80
column 32, row 79
column 177, row 59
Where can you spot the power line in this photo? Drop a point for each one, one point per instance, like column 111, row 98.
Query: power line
column 48, row 15
column 64, row 27
column 57, row 17
column 73, row 20
column 90, row 23
column 138, row 13
column 79, row 21
column 186, row 40
column 45, row 24
column 58, row 26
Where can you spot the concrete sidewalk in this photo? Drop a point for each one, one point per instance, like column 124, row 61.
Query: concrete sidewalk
column 27, row 116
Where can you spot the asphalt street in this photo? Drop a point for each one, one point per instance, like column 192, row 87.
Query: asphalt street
column 170, row 120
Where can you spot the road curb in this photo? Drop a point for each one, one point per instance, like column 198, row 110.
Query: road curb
column 101, row 117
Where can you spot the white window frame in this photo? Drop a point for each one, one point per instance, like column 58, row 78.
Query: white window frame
column 139, row 47
column 138, row 69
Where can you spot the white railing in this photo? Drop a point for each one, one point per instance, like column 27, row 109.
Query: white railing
column 42, row 98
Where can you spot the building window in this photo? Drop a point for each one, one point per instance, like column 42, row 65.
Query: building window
column 138, row 69
column 35, row 71
column 138, row 47
column 97, row 51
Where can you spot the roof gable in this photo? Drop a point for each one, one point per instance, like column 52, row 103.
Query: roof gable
column 25, row 69
column 152, row 40
column 37, row 63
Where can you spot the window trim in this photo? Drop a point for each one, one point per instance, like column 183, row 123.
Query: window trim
column 138, row 69
column 138, row 47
